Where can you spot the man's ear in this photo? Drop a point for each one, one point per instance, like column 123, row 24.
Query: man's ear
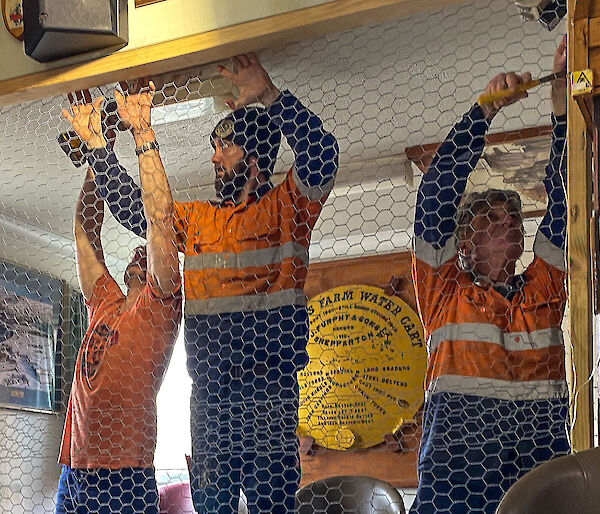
column 465, row 251
column 252, row 166
column 465, row 247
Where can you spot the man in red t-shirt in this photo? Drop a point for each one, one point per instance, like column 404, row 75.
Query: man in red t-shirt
column 109, row 438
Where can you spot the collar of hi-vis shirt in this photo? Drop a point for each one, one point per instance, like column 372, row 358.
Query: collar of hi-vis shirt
column 261, row 191
column 505, row 289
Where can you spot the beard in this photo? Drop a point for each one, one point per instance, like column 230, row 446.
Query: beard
column 232, row 182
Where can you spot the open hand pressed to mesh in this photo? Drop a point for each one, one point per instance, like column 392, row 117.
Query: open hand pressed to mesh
column 86, row 118
column 252, row 80
column 135, row 104
column 505, row 81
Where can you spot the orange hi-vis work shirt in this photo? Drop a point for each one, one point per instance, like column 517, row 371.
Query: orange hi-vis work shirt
column 251, row 256
column 483, row 344
column 111, row 417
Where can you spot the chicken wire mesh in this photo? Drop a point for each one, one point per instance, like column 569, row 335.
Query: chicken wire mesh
column 359, row 123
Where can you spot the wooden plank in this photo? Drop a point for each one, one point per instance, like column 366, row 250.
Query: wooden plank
column 594, row 64
column 375, row 270
column 422, row 155
column 579, row 38
column 582, row 9
column 594, row 32
column 212, row 46
column 579, row 194
column 592, row 6
column 398, row 469
column 141, row 3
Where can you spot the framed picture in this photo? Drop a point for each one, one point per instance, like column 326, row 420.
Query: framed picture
column 511, row 160
column 140, row 3
column 12, row 13
column 30, row 318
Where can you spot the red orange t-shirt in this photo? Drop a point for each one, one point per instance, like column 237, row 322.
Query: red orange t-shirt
column 111, row 417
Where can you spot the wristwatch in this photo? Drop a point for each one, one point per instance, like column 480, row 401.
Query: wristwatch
column 148, row 145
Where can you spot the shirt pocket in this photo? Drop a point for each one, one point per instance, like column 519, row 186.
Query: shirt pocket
column 202, row 235
column 543, row 313
column 259, row 226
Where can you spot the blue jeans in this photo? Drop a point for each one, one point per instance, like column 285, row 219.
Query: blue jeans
column 245, row 445
column 107, row 491
column 473, row 449
column 244, row 408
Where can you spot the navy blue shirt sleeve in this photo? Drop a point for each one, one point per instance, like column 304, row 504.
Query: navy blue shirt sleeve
column 554, row 222
column 316, row 149
column 117, row 188
column 444, row 183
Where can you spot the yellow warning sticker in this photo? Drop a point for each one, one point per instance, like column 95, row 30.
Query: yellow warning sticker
column 582, row 82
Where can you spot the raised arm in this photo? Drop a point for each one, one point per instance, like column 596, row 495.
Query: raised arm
column 554, row 223
column 316, row 150
column 444, row 183
column 123, row 195
column 87, row 225
column 163, row 262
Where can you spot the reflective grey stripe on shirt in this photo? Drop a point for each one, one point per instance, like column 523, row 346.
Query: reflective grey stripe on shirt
column 313, row 193
column 250, row 258
column 501, row 389
column 432, row 256
column 544, row 249
column 251, row 302
column 488, row 333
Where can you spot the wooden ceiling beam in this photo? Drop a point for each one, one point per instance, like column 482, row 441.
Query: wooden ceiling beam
column 212, row 46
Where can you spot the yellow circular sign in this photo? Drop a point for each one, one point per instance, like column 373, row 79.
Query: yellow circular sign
column 366, row 369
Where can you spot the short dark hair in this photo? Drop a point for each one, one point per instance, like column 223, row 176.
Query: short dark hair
column 473, row 204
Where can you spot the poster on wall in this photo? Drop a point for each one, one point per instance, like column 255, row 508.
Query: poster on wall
column 367, row 361
column 140, row 3
column 29, row 320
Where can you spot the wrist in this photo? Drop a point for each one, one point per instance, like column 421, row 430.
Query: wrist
column 489, row 111
column 144, row 136
column 269, row 96
column 145, row 147
column 96, row 141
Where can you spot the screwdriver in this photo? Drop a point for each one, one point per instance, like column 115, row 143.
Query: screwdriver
column 488, row 98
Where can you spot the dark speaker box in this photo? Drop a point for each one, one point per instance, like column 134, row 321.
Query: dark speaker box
column 54, row 29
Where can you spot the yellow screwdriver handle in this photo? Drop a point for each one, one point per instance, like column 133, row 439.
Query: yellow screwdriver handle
column 488, row 98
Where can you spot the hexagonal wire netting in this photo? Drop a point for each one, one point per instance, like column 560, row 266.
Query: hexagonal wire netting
column 370, row 105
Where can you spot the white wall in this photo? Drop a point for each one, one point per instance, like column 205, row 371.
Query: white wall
column 29, row 444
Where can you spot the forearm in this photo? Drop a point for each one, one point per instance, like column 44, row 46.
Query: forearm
column 163, row 263
column 89, row 214
column 316, row 150
column 122, row 194
column 444, row 183
column 156, row 193
column 87, row 225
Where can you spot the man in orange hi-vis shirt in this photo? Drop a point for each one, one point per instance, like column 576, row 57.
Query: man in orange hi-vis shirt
column 109, row 437
column 496, row 395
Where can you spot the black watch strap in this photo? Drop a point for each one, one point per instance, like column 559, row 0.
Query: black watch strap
column 148, row 145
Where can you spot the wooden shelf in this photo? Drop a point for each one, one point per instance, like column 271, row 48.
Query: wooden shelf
column 212, row 46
